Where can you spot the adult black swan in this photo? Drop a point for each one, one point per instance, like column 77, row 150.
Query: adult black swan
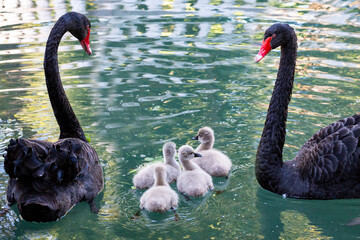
column 328, row 164
column 48, row 179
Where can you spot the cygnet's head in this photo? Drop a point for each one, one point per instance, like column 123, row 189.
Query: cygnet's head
column 205, row 135
column 169, row 150
column 160, row 175
column 187, row 153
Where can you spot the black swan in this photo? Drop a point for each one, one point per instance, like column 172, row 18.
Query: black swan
column 328, row 164
column 48, row 179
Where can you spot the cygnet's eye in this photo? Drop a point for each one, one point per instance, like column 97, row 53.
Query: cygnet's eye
column 274, row 35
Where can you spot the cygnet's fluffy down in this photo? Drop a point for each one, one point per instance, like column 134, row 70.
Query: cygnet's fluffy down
column 193, row 181
column 212, row 161
column 160, row 197
column 145, row 177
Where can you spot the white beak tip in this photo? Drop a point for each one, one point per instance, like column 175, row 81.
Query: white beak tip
column 258, row 57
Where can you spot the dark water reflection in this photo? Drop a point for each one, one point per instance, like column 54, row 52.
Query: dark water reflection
column 160, row 71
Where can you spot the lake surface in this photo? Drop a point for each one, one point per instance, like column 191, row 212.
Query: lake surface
column 160, row 70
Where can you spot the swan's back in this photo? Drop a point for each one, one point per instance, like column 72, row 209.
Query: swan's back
column 332, row 154
column 160, row 197
column 145, row 177
column 214, row 162
column 194, row 183
column 328, row 165
column 43, row 174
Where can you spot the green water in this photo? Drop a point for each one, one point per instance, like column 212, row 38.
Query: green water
column 160, row 71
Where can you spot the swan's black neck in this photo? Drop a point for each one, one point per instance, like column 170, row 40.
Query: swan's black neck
column 65, row 116
column 269, row 155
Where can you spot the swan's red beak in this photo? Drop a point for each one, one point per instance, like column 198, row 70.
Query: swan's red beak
column 85, row 43
column 265, row 49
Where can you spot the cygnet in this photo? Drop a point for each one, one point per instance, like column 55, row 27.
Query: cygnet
column 193, row 181
column 160, row 197
column 212, row 161
column 145, row 177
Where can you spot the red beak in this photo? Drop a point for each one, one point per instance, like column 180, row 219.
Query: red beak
column 265, row 49
column 86, row 44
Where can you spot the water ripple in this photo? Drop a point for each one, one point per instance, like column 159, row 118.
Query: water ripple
column 167, row 116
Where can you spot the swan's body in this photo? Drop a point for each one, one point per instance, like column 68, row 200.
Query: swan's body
column 212, row 161
column 328, row 165
column 160, row 197
column 193, row 181
column 48, row 179
column 145, row 177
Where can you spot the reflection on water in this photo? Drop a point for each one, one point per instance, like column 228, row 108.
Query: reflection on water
column 160, row 71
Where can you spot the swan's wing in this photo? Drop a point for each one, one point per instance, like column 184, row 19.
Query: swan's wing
column 66, row 160
column 26, row 158
column 332, row 154
column 40, row 161
column 74, row 159
column 332, row 128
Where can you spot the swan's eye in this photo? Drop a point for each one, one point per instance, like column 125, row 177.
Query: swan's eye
column 274, row 35
column 87, row 27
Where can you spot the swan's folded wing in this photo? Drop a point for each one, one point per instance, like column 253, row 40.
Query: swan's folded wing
column 332, row 128
column 333, row 153
column 39, row 161
column 26, row 158
column 74, row 158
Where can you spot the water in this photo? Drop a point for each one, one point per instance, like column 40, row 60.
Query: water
column 160, row 71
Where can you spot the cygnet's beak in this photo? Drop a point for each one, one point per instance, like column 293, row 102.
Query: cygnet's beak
column 195, row 138
column 197, row 155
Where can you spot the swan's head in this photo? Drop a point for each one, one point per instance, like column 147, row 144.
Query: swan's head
column 187, row 153
column 169, row 150
column 205, row 135
column 279, row 34
column 79, row 27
